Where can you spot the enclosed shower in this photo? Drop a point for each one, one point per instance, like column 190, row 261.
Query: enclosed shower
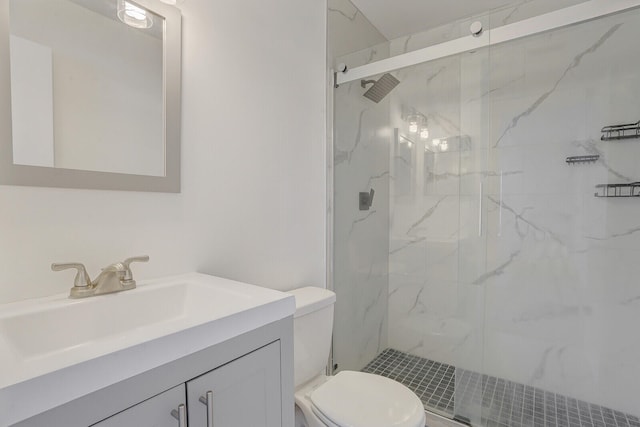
column 494, row 272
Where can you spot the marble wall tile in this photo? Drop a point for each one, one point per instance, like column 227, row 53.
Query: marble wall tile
column 526, row 9
column 559, row 296
column 348, row 30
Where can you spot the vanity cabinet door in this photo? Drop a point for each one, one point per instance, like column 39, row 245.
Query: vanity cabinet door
column 244, row 392
column 154, row 412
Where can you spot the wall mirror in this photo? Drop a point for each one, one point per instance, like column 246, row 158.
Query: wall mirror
column 90, row 94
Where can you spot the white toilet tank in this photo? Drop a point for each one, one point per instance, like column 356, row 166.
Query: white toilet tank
column 312, row 327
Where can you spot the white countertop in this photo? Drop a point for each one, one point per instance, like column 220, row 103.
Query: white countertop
column 44, row 365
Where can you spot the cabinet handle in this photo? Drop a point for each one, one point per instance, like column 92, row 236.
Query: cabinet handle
column 181, row 415
column 207, row 400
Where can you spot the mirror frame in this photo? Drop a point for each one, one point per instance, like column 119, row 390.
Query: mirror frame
column 38, row 176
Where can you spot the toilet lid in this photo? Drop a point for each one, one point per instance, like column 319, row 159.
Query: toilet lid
column 356, row 399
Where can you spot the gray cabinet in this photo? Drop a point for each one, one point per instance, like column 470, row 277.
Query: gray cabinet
column 250, row 378
column 154, row 412
column 244, row 392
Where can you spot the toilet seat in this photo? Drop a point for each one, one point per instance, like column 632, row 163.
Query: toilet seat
column 325, row 421
column 357, row 399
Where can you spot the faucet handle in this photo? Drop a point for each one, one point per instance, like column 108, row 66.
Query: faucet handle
column 82, row 279
column 128, row 275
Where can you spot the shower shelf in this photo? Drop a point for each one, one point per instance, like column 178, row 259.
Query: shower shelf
column 582, row 159
column 618, row 190
column 618, row 132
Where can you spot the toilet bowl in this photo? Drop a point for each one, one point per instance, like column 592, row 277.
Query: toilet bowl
column 348, row 399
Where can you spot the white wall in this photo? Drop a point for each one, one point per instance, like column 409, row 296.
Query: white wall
column 253, row 199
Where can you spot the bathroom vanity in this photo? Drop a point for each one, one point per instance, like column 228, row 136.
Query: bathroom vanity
column 190, row 350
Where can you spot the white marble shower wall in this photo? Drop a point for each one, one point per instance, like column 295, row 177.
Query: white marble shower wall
column 541, row 288
column 348, row 31
column 562, row 297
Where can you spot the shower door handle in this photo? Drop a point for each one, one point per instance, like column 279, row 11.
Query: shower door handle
column 500, row 208
column 480, row 212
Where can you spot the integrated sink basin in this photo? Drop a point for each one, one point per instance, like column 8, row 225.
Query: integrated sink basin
column 65, row 326
column 90, row 343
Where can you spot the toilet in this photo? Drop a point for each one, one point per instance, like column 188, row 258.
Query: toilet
column 348, row 399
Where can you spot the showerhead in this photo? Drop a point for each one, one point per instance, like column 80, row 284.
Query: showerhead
column 380, row 88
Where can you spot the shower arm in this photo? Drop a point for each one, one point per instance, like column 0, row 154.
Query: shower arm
column 364, row 83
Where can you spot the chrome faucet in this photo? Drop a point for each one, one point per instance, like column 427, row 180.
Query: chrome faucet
column 116, row 277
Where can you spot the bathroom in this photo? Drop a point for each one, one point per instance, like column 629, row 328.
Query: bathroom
column 427, row 270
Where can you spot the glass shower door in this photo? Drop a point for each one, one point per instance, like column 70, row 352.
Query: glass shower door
column 404, row 308
column 424, row 227
column 437, row 229
column 475, row 180
column 556, row 307
column 360, row 233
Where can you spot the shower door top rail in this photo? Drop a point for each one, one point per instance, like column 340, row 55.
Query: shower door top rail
column 582, row 12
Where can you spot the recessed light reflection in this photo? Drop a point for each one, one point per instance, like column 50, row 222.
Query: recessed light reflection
column 133, row 15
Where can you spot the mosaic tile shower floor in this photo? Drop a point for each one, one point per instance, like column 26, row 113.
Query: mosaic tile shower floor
column 504, row 403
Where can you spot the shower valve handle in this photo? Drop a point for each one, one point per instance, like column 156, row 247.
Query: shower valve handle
column 365, row 200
